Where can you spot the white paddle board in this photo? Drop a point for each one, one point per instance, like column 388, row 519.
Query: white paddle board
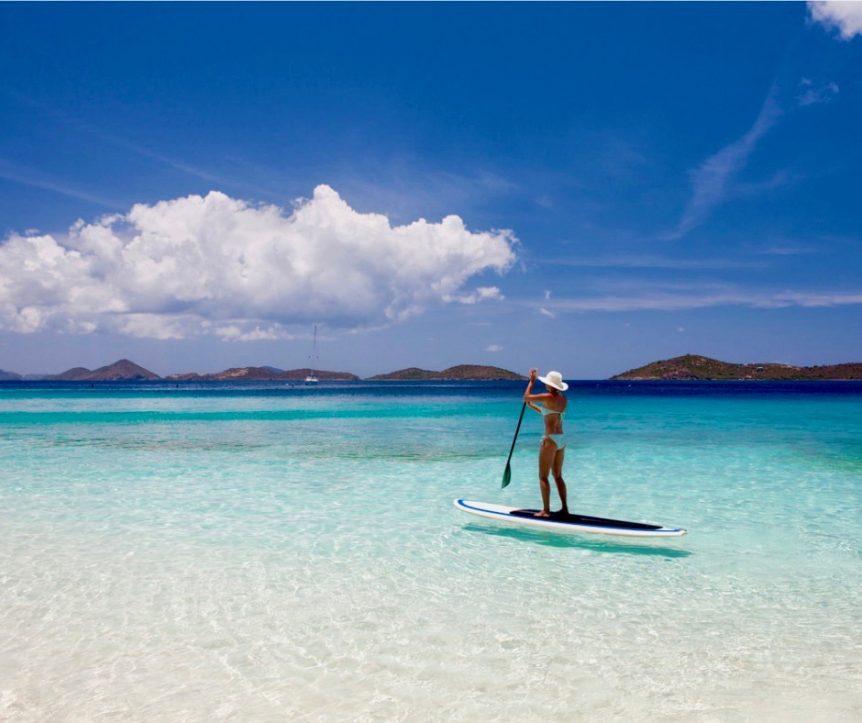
column 571, row 524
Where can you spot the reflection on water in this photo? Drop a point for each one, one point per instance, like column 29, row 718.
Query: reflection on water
column 551, row 539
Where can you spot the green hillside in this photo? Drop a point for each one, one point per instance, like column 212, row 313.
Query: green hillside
column 692, row 367
column 461, row 372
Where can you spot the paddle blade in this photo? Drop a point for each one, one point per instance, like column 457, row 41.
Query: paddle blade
column 507, row 475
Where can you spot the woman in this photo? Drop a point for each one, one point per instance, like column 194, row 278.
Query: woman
column 553, row 448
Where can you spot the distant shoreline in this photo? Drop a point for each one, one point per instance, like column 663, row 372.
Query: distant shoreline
column 574, row 384
column 127, row 370
column 687, row 368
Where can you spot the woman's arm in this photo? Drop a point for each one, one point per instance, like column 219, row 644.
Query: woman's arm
column 528, row 392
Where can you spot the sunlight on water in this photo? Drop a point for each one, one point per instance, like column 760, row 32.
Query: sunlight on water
column 272, row 554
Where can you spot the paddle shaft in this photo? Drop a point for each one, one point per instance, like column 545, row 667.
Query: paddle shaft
column 517, row 429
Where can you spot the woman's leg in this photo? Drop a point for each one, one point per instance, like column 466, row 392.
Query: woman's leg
column 546, row 459
column 558, row 478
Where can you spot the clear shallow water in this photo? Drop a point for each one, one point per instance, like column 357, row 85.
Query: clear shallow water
column 269, row 553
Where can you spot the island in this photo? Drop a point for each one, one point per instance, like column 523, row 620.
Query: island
column 461, row 372
column 125, row 370
column 692, row 367
column 259, row 374
column 689, row 367
column 120, row 371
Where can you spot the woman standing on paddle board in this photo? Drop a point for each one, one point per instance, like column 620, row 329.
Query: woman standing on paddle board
column 553, row 448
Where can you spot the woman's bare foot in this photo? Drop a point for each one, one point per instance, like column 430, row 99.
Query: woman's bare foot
column 543, row 513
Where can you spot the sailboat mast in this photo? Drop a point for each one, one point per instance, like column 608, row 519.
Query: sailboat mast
column 312, row 378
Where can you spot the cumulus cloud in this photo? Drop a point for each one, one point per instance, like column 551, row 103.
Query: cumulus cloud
column 845, row 17
column 218, row 265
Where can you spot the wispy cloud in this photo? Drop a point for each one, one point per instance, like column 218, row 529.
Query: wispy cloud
column 711, row 181
column 493, row 348
column 789, row 249
column 680, row 300
column 750, row 189
column 845, row 17
column 652, row 262
column 404, row 188
column 220, row 181
column 811, row 94
column 35, row 179
column 87, row 128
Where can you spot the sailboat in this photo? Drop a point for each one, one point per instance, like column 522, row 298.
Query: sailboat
column 311, row 378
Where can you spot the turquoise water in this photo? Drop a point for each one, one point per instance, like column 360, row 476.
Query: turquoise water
column 272, row 553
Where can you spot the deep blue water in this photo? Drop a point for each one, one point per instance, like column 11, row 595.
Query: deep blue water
column 577, row 387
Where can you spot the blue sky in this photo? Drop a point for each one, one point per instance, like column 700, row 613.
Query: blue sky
column 194, row 186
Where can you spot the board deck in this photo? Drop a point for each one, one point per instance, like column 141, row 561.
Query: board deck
column 571, row 524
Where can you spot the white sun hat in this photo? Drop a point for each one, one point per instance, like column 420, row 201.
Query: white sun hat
column 555, row 380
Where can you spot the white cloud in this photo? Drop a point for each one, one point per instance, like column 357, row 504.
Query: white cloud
column 546, row 312
column 845, row 17
column 232, row 332
column 483, row 293
column 218, row 265
column 493, row 348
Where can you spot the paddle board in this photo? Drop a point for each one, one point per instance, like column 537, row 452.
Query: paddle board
column 572, row 524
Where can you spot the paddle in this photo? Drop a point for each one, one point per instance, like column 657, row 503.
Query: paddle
column 507, row 473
